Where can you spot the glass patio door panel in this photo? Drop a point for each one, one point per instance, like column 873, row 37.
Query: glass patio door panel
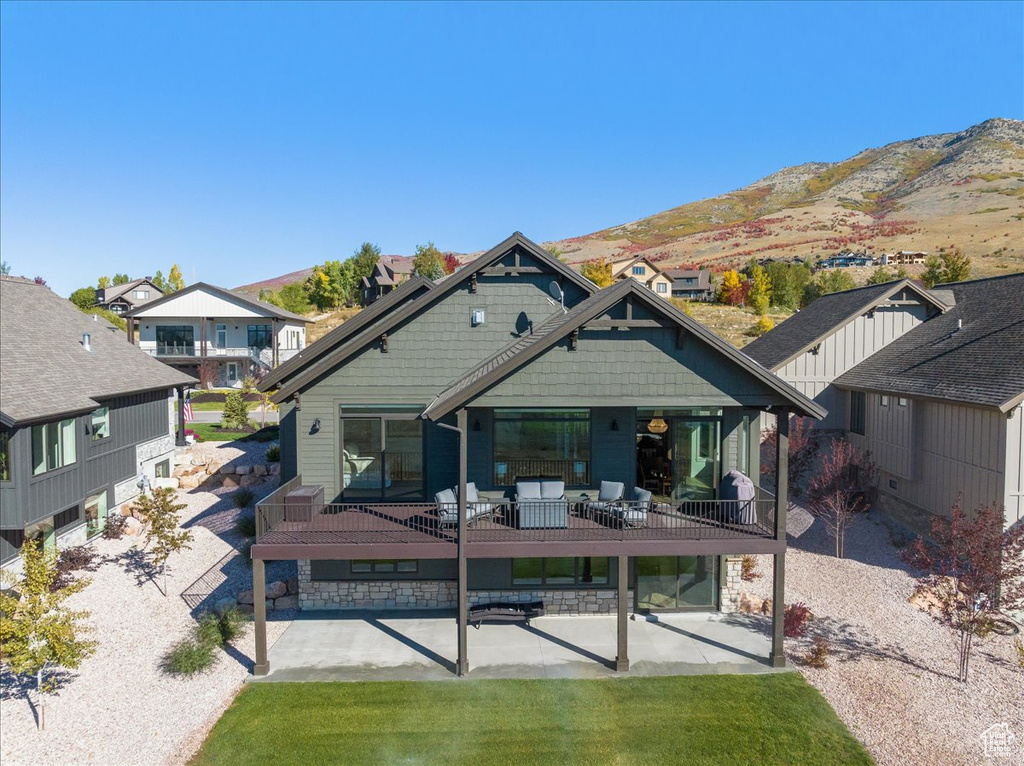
column 95, row 513
column 698, row 582
column 403, row 459
column 656, row 582
column 694, row 459
column 361, row 457
column 673, row 583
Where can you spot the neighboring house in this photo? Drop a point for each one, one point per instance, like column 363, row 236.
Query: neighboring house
column 643, row 271
column 691, row 284
column 201, row 322
column 903, row 258
column 84, row 418
column 481, row 391
column 930, row 382
column 123, row 298
column 845, row 261
column 390, row 272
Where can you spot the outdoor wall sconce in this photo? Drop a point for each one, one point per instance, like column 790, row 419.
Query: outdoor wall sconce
column 615, row 424
column 476, row 425
column 315, row 428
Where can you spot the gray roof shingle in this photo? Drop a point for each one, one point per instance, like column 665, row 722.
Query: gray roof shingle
column 266, row 309
column 821, row 318
column 45, row 370
column 973, row 353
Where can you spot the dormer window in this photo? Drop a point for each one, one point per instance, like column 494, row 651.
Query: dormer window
column 639, row 271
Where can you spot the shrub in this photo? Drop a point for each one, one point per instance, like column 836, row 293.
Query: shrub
column 79, row 557
column 188, row 657
column 208, row 630
column 748, row 569
column 245, row 550
column 795, row 620
column 246, row 525
column 274, row 453
column 817, row 657
column 761, row 326
column 243, row 498
column 231, row 622
column 115, row 526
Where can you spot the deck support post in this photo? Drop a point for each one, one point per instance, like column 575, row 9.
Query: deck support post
column 180, row 440
column 778, row 655
column 259, row 607
column 462, row 662
column 622, row 610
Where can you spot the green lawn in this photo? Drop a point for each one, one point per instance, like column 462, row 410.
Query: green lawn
column 212, row 432
column 763, row 719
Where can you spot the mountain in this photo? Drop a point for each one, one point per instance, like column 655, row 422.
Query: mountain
column 963, row 188
column 276, row 283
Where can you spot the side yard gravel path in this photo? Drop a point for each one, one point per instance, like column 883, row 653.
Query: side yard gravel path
column 120, row 707
column 892, row 672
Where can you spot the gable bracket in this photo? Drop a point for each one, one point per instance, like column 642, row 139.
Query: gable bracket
column 574, row 339
column 681, row 337
column 472, row 282
column 384, row 343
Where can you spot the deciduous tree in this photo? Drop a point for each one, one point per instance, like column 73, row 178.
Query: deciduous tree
column 599, row 272
column 364, row 260
column 37, row 630
column 840, row 489
column 973, row 566
column 121, row 279
column 103, row 283
column 760, row 295
column 803, row 447
column 956, row 267
column 159, row 513
column 428, row 262
column 159, row 282
column 827, row 281
column 83, row 297
column 733, row 290
column 175, row 281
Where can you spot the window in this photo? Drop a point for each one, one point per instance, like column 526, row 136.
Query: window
column 69, row 516
column 384, row 566
column 95, row 513
column 382, row 456
column 584, row 570
column 662, row 287
column 549, row 444
column 260, row 336
column 690, row 280
column 884, row 400
column 902, row 402
column 175, row 340
column 5, row 455
column 53, row 446
column 99, row 424
column 140, row 294
column 857, row 412
column 232, row 372
column 162, row 470
column 222, row 336
column 639, row 270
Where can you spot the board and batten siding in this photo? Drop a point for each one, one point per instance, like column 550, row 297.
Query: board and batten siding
column 935, row 451
column 1014, row 489
column 812, row 373
column 200, row 303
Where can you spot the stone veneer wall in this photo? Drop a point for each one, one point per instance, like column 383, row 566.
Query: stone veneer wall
column 439, row 594
column 732, row 584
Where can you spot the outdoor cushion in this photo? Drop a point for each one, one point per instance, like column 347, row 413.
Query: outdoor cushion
column 552, row 490
column 610, row 490
column 528, row 490
column 472, row 495
column 642, row 495
column 446, row 497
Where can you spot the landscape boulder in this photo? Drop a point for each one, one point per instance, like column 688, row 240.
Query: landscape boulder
column 226, row 469
column 212, row 467
column 750, row 604
column 286, row 602
column 246, row 608
column 132, row 526
column 248, row 481
column 223, row 605
column 259, row 469
column 274, row 469
column 245, row 597
column 292, row 583
column 229, row 482
column 276, row 589
column 188, row 482
column 243, row 470
column 200, row 459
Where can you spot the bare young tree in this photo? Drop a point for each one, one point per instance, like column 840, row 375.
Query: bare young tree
column 803, row 447
column 973, row 567
column 164, row 536
column 840, row 489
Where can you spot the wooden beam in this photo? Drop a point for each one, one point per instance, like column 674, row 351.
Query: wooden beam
column 622, row 612
column 501, row 270
column 611, row 324
column 462, row 662
column 259, row 607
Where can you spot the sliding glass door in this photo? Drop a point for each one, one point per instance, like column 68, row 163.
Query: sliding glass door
column 381, row 458
column 677, row 453
column 676, row 583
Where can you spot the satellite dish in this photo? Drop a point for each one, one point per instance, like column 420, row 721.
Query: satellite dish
column 556, row 292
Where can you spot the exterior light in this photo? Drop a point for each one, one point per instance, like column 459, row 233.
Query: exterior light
column 657, row 424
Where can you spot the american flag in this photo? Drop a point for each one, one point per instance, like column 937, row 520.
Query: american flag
column 188, row 406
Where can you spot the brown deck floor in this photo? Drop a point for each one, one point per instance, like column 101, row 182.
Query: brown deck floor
column 382, row 524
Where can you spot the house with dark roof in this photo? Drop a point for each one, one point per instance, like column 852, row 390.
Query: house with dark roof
column 930, row 382
column 86, row 419
column 845, row 261
column 216, row 335
column 514, row 434
column 389, row 272
column 645, row 271
column 123, row 298
column 691, row 284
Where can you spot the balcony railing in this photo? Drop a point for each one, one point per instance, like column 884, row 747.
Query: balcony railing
column 261, row 355
column 501, row 521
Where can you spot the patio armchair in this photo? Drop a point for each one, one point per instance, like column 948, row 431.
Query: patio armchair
column 609, row 494
column 541, row 504
column 448, row 505
column 631, row 515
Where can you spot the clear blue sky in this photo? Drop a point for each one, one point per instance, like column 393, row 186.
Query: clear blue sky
column 244, row 141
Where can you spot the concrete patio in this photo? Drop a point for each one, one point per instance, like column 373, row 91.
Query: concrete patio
column 357, row 646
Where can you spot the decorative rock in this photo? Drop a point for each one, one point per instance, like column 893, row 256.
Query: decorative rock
column 259, row 470
column 249, row 480
column 245, row 597
column 286, row 602
column 246, row 608
column 276, row 589
column 274, row 469
column 749, row 604
column 213, row 467
column 226, row 469
column 292, row 584
column 228, row 482
column 188, row 482
column 200, row 459
column 132, row 526
column 243, row 470
column 222, row 605
column 270, row 604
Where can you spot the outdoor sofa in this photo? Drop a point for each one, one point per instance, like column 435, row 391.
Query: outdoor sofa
column 541, row 504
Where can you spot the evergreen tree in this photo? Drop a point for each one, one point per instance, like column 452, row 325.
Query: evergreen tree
column 364, row 260
column 880, row 276
column 159, row 282
column 956, row 267
column 827, row 281
column 236, row 412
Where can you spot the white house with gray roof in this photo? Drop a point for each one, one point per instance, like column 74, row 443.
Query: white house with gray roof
column 930, row 382
column 203, row 322
column 85, row 419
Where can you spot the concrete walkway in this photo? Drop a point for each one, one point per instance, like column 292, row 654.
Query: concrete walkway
column 337, row 646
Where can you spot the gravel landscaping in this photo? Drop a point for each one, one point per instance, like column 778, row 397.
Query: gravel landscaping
column 120, row 707
column 892, row 671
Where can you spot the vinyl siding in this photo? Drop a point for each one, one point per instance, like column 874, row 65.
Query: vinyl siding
column 1014, row 489
column 812, row 373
